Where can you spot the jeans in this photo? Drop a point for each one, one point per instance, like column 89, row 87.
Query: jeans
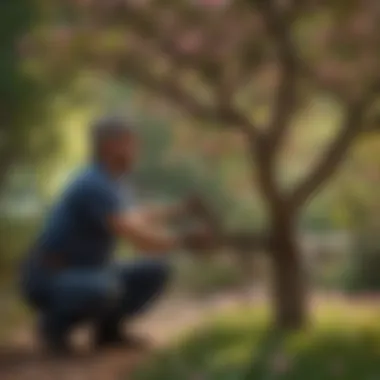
column 106, row 295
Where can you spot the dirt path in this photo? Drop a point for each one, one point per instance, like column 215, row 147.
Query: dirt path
column 23, row 361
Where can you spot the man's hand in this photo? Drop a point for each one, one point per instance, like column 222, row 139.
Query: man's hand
column 200, row 239
column 163, row 213
column 193, row 204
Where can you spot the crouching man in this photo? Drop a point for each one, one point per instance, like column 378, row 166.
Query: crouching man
column 69, row 276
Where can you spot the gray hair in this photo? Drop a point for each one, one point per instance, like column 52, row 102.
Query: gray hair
column 109, row 127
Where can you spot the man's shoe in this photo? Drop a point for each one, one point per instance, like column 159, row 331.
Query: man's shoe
column 116, row 339
column 53, row 342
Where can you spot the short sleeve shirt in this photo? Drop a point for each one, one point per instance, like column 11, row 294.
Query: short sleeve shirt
column 77, row 227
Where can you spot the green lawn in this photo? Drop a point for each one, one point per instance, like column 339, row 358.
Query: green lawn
column 344, row 343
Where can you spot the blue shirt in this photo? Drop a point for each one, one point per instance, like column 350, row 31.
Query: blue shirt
column 76, row 229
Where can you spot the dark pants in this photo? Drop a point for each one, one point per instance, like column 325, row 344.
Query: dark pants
column 107, row 295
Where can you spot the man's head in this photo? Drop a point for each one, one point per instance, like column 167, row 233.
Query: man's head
column 114, row 143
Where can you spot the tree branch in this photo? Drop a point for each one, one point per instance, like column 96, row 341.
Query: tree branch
column 373, row 124
column 201, row 46
column 326, row 167
column 135, row 65
column 321, row 83
column 239, row 241
column 278, row 23
column 246, row 242
column 261, row 158
column 285, row 100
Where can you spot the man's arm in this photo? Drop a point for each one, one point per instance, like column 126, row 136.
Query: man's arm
column 162, row 213
column 134, row 228
column 103, row 206
column 137, row 230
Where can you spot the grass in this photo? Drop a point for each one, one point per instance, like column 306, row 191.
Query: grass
column 344, row 344
column 14, row 313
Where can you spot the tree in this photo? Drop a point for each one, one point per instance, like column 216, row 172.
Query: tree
column 16, row 90
column 252, row 66
column 27, row 91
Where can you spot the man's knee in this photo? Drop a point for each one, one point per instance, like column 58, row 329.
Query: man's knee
column 149, row 275
column 158, row 273
column 105, row 293
column 142, row 280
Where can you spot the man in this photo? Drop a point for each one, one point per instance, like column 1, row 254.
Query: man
column 69, row 276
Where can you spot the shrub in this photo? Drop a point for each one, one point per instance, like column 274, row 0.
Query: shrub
column 15, row 236
column 206, row 277
column 363, row 272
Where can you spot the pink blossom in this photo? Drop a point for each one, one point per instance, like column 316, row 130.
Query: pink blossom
column 190, row 42
column 213, row 3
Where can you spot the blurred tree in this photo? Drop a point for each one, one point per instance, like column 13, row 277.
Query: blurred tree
column 32, row 97
column 166, row 175
column 21, row 97
column 254, row 66
column 358, row 197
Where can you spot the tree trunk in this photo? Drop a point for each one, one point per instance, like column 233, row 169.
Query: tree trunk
column 289, row 285
column 6, row 158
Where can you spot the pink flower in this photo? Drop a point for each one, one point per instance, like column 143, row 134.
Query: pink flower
column 190, row 42
column 213, row 3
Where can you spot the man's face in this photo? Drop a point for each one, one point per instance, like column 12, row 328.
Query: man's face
column 121, row 151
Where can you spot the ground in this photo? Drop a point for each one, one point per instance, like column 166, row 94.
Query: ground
column 223, row 339
column 21, row 360
column 343, row 342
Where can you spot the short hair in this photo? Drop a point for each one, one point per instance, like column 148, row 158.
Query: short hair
column 109, row 127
